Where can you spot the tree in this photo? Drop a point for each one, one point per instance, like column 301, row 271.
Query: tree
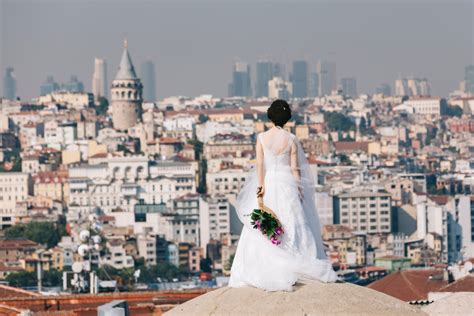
column 203, row 118
column 363, row 126
column 228, row 264
column 205, row 265
column 21, row 279
column 162, row 270
column 40, row 232
column 24, row 278
column 449, row 110
column 198, row 147
column 103, row 106
column 338, row 121
column 430, row 135
column 344, row 159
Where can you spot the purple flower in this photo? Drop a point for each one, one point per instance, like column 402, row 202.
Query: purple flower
column 279, row 231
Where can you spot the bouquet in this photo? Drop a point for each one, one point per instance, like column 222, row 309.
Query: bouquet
column 266, row 221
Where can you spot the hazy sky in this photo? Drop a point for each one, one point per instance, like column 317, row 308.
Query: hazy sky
column 194, row 43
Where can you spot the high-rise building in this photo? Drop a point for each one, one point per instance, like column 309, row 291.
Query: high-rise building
column 469, row 79
column 299, row 79
column 147, row 74
column 126, row 94
column 279, row 89
column 401, row 87
column 349, row 87
column 412, row 87
column 279, row 70
column 9, row 84
column 364, row 211
column 424, row 87
column 74, row 85
column 384, row 89
column 313, row 85
column 327, row 77
column 241, row 84
column 264, row 74
column 99, row 79
column 49, row 86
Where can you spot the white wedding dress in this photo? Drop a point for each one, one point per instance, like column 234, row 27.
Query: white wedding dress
column 257, row 261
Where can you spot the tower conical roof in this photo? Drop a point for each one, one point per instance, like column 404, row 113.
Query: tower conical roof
column 126, row 70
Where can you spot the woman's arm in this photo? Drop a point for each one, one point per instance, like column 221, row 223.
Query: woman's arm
column 295, row 168
column 260, row 167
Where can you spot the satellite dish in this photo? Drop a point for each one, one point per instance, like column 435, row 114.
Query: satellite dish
column 86, row 266
column 468, row 266
column 96, row 226
column 77, row 267
column 82, row 250
column 84, row 235
column 96, row 239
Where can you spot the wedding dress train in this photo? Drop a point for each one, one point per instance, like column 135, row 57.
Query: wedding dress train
column 257, row 261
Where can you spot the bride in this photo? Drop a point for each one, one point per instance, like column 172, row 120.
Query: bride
column 284, row 179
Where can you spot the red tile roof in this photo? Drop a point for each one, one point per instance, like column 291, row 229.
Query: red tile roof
column 99, row 155
column 10, row 292
column 169, row 140
column 410, row 285
column 51, row 176
column 439, row 199
column 351, row 146
column 336, row 228
column 371, row 269
column 465, row 284
column 5, row 268
column 17, row 243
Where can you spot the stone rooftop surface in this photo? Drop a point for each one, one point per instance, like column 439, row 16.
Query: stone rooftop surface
column 308, row 298
column 459, row 303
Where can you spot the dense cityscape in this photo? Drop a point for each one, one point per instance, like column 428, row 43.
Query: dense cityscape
column 114, row 190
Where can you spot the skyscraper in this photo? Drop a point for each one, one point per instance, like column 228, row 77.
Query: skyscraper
column 327, row 77
column 384, row 89
column 412, row 87
column 99, row 79
column 126, row 94
column 313, row 85
column 49, row 86
column 279, row 71
column 147, row 74
column 469, row 79
column 299, row 79
column 241, row 85
column 424, row 87
column 74, row 85
column 401, row 87
column 349, row 87
column 264, row 75
column 9, row 84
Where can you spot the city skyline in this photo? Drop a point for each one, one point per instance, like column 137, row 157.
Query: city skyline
column 184, row 53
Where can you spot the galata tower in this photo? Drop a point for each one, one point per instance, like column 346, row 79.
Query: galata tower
column 126, row 94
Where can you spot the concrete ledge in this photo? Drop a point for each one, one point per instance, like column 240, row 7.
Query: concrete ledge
column 309, row 298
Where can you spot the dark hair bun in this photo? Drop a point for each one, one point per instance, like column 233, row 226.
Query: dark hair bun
column 279, row 112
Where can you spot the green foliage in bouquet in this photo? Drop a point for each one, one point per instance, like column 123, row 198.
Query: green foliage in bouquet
column 267, row 224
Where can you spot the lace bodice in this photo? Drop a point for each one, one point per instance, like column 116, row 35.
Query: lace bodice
column 276, row 150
